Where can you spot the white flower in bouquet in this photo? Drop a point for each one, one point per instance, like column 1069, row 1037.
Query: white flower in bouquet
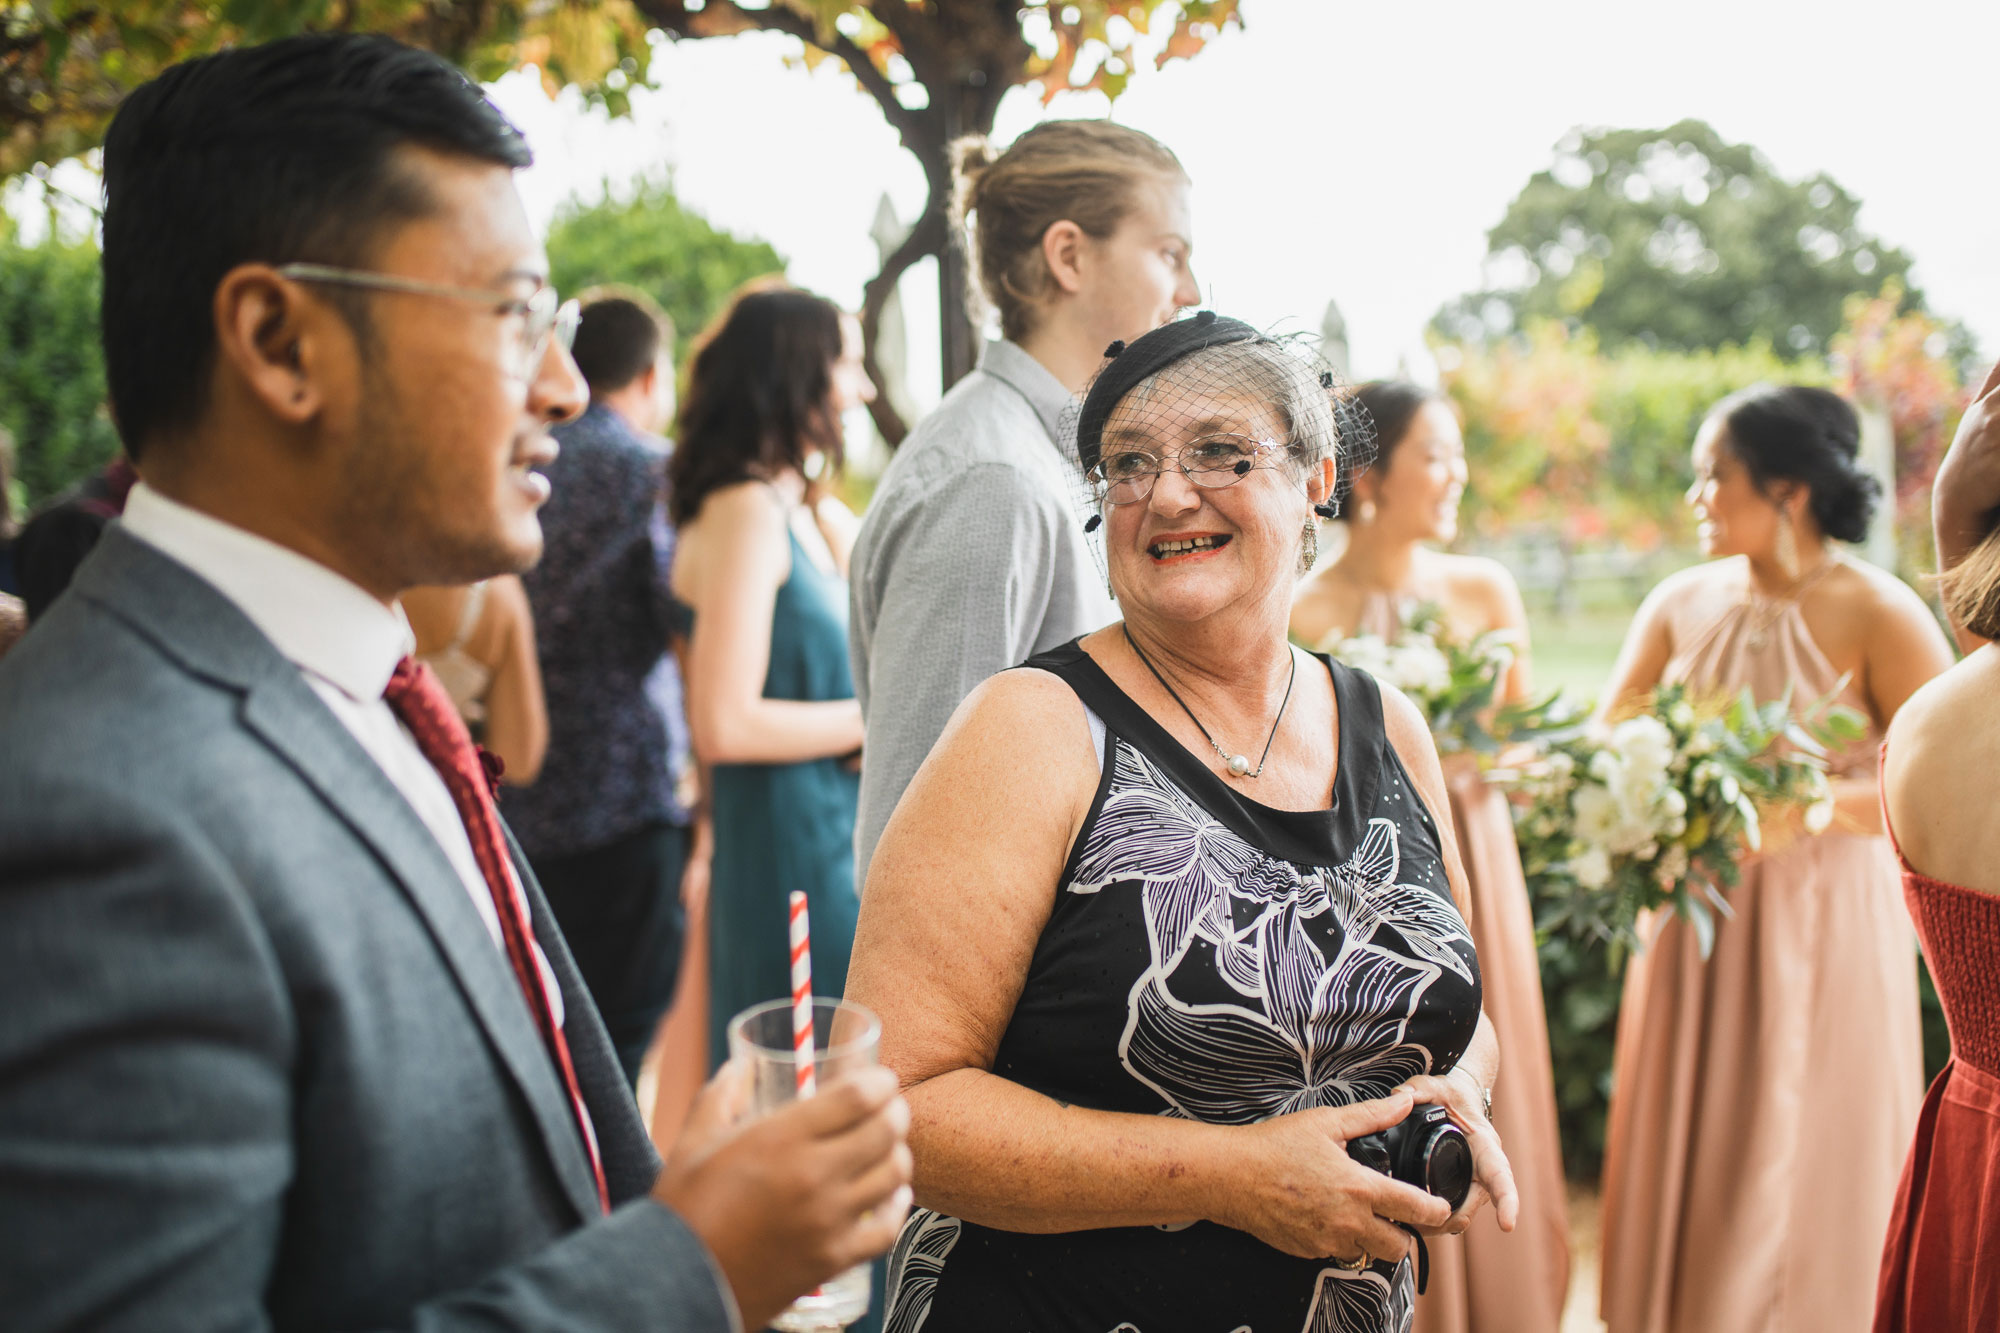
column 1682, row 715
column 1364, row 652
column 1644, row 743
column 1591, row 868
column 1673, row 864
column 1416, row 667
column 1597, row 814
column 1819, row 814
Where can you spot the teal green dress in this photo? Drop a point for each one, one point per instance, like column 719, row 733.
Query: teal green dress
column 780, row 827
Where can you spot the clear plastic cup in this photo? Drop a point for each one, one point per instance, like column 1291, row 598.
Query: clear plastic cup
column 846, row 1037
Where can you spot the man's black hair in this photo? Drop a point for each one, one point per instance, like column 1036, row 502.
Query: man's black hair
column 277, row 153
column 617, row 341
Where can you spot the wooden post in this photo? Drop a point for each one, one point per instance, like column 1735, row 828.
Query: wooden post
column 1878, row 455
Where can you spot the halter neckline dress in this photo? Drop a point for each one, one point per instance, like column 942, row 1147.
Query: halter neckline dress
column 1763, row 1099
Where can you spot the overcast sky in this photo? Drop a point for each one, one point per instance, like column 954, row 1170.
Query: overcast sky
column 1360, row 152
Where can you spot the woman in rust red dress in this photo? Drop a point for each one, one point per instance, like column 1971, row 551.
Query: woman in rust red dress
column 1941, row 1264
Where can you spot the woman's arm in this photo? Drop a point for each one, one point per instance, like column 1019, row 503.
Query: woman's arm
column 517, row 716
column 1506, row 611
column 1905, row 650
column 730, row 564
column 1463, row 1089
column 959, row 892
column 1967, row 490
column 1648, row 647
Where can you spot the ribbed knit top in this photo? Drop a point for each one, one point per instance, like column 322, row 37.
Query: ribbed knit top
column 1960, row 931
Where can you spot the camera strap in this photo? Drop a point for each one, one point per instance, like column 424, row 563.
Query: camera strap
column 1423, row 1258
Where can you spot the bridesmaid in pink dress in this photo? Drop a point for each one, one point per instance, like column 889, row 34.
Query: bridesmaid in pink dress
column 1941, row 1262
column 1485, row 1281
column 1763, row 1098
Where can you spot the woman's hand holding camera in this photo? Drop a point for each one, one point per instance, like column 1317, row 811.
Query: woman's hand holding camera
column 1460, row 1093
column 1295, row 1188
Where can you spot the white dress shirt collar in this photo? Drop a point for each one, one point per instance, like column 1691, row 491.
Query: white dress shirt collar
column 320, row 621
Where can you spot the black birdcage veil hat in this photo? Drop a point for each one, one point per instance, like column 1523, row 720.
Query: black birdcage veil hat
column 1182, row 378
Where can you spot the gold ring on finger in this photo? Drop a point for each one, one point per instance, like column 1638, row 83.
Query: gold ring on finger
column 1356, row 1264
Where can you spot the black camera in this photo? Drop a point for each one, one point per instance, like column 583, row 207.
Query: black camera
column 1426, row 1150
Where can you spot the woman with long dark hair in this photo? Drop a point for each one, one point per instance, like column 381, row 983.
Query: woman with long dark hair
column 760, row 576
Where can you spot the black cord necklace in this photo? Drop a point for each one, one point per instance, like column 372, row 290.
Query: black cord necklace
column 1238, row 765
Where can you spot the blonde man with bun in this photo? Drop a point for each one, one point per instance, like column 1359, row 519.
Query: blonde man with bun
column 973, row 557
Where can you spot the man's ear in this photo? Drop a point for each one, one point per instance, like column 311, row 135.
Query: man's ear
column 1062, row 250
column 276, row 340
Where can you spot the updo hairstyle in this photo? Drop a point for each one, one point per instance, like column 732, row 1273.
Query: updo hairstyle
column 1812, row 436
column 1392, row 405
column 1081, row 171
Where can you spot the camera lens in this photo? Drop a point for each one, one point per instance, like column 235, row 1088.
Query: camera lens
column 1447, row 1159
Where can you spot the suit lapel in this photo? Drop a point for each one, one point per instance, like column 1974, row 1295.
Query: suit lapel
column 207, row 634
column 630, row 1160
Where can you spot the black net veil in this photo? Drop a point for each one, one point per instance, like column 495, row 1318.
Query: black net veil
column 1203, row 375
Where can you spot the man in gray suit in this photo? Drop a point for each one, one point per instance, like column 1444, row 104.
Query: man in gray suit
column 287, row 1037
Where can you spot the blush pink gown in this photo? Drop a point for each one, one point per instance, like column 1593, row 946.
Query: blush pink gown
column 1764, row 1098
column 1488, row 1281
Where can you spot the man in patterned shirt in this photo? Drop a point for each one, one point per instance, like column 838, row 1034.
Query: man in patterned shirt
column 605, row 825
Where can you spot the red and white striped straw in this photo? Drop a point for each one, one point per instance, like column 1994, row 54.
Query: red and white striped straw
column 802, row 996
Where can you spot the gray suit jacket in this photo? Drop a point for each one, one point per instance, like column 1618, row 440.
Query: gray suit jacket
column 260, row 1062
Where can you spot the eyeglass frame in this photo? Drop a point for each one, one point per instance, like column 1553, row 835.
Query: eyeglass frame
column 544, row 314
column 1226, row 476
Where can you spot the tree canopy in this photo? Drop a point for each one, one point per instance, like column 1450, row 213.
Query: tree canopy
column 1678, row 240
column 650, row 241
column 937, row 69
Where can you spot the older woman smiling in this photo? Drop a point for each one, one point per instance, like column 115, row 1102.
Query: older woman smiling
column 1167, row 919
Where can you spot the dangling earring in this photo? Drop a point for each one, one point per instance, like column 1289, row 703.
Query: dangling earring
column 1364, row 511
column 1309, row 550
column 1788, row 547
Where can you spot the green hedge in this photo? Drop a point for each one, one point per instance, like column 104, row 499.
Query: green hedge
column 52, row 394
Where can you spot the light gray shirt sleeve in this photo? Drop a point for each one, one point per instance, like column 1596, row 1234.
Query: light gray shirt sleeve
column 963, row 589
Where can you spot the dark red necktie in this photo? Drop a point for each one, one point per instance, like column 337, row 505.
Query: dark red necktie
column 427, row 710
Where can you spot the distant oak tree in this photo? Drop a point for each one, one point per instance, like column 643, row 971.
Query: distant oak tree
column 1680, row 241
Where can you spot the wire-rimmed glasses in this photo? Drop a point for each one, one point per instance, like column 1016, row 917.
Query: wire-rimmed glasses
column 543, row 314
column 1212, row 462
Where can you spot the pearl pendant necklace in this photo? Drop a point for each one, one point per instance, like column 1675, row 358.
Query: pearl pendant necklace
column 1238, row 765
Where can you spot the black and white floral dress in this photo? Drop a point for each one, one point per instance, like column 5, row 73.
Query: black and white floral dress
column 1212, row 958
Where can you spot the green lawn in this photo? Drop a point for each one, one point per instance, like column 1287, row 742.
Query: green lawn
column 1576, row 651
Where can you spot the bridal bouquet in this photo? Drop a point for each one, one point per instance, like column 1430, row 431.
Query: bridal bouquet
column 1657, row 812
column 1453, row 681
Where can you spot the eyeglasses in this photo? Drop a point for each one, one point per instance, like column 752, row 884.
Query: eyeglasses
column 1211, row 462
column 543, row 315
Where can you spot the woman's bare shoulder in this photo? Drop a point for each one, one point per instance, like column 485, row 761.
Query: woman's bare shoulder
column 1480, row 582
column 1951, row 713
column 1475, row 573
column 1021, row 716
